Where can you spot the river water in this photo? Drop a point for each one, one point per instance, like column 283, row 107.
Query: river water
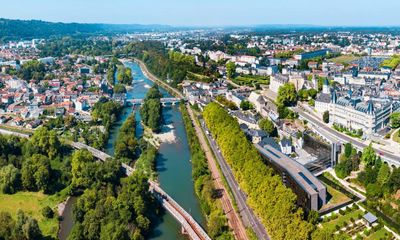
column 173, row 161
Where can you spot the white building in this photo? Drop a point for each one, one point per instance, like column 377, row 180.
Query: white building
column 277, row 81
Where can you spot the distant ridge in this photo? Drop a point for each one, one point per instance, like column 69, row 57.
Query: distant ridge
column 14, row 29
column 25, row 29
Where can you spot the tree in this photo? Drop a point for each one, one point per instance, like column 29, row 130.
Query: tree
column 9, row 179
column 36, row 173
column 268, row 126
column 230, row 70
column 7, row 226
column 325, row 117
column 343, row 168
column 47, row 212
column 246, row 105
column 119, row 88
column 303, row 94
column 82, row 165
column 394, row 180
column 369, row 156
column 395, row 120
column 383, row 174
column 312, row 93
column 312, row 217
column 286, row 95
column 348, row 149
column 374, row 190
column 26, row 227
column 124, row 75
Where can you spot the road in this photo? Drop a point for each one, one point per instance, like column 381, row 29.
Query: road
column 248, row 216
column 233, row 218
column 322, row 127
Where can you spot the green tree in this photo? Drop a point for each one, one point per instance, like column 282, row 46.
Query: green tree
column 325, row 117
column 7, row 226
column 47, row 212
column 312, row 93
column 348, row 149
column 119, row 88
column 246, row 105
column 230, row 70
column 303, row 94
column 36, row 173
column 395, row 120
column 286, row 95
column 9, row 179
column 369, row 156
column 268, row 126
column 383, row 174
column 82, row 167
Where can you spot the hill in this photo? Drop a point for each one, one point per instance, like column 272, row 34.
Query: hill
column 28, row 29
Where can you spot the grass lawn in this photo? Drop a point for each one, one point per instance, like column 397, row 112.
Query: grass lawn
column 344, row 59
column 341, row 219
column 380, row 234
column 334, row 198
column 32, row 203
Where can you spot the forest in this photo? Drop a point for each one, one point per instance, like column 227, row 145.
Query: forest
column 267, row 196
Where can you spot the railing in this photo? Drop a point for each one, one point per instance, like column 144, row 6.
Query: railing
column 194, row 230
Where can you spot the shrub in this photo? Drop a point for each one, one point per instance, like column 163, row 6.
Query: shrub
column 47, row 212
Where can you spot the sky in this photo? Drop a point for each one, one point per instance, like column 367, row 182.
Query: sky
column 208, row 12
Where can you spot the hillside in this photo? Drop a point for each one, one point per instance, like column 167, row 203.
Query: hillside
column 28, row 29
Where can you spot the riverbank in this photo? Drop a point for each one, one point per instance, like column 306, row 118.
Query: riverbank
column 227, row 203
column 155, row 79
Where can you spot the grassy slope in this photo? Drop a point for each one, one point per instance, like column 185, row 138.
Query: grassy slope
column 32, row 204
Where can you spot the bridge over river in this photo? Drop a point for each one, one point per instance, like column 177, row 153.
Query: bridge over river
column 164, row 101
column 190, row 226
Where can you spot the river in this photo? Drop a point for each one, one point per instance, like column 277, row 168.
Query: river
column 173, row 161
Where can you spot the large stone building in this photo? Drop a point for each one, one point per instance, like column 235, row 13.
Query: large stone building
column 359, row 111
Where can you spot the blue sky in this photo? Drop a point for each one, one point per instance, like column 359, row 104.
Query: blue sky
column 208, row 12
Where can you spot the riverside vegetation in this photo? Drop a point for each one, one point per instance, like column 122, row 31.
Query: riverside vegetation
column 217, row 226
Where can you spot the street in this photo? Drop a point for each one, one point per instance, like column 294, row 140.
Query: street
column 385, row 155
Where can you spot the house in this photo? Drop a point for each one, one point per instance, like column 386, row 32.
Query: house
column 235, row 97
column 286, row 146
column 277, row 81
column 34, row 124
column 370, row 219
